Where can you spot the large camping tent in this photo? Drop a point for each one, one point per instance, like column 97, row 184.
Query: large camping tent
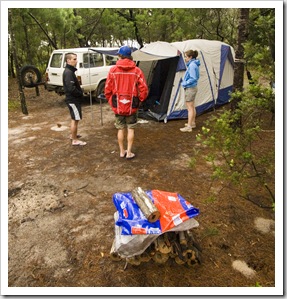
column 164, row 68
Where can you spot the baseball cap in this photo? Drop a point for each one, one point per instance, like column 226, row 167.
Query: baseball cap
column 125, row 51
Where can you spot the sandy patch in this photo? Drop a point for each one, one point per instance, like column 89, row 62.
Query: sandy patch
column 243, row 268
column 265, row 226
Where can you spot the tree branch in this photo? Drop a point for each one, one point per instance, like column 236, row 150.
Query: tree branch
column 94, row 27
column 45, row 32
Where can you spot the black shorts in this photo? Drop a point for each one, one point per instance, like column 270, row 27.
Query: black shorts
column 75, row 110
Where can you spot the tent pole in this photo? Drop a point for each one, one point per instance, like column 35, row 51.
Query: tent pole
column 91, row 100
column 101, row 111
column 101, row 97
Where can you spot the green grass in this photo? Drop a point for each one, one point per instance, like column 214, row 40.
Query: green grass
column 13, row 105
column 211, row 231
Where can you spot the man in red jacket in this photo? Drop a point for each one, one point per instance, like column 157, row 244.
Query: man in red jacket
column 125, row 88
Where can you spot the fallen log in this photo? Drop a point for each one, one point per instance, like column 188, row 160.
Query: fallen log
column 146, row 205
column 177, row 246
column 189, row 253
column 144, row 257
column 193, row 241
column 179, row 260
column 182, row 238
column 115, row 256
column 162, row 246
column 160, row 258
column 134, row 260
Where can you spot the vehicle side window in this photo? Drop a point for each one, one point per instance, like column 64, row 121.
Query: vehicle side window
column 95, row 59
column 56, row 60
column 111, row 60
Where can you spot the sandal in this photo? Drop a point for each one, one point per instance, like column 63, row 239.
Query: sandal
column 79, row 143
column 131, row 156
column 123, row 155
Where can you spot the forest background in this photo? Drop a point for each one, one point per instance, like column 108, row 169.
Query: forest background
column 38, row 31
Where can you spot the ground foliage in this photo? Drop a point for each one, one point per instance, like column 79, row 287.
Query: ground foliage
column 232, row 139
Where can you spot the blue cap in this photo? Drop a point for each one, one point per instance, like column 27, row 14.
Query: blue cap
column 125, row 51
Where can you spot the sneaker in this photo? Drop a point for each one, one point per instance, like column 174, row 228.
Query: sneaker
column 78, row 136
column 79, row 143
column 186, row 129
column 193, row 126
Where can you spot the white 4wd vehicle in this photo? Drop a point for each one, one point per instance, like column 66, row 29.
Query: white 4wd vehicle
column 92, row 69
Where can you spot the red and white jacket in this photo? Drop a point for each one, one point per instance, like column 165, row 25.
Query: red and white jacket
column 125, row 87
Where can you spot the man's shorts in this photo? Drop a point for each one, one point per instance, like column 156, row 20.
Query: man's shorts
column 129, row 121
column 75, row 110
column 190, row 94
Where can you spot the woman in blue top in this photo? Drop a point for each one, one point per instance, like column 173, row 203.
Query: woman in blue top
column 189, row 84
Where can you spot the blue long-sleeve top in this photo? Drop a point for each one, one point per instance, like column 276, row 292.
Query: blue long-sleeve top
column 192, row 74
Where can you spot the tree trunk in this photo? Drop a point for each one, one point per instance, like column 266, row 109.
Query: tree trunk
column 239, row 53
column 28, row 50
column 138, row 37
column 130, row 17
column 13, row 46
column 11, row 71
column 239, row 56
column 81, row 40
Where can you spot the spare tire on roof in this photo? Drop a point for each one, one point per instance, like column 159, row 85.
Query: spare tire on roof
column 30, row 76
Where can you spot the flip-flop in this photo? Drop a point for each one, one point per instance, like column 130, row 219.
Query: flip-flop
column 131, row 157
column 124, row 155
column 79, row 143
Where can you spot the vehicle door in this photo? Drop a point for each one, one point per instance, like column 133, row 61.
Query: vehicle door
column 93, row 70
column 55, row 69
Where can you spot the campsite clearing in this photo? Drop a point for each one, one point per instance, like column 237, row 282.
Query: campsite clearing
column 61, row 225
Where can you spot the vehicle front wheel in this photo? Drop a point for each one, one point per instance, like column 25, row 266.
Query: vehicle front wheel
column 100, row 90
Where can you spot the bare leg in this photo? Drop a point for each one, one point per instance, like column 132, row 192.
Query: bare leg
column 191, row 117
column 190, row 109
column 74, row 133
column 121, row 135
column 193, row 114
column 74, row 129
column 130, row 138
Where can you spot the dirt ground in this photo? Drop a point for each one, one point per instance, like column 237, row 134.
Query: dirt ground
column 61, row 214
